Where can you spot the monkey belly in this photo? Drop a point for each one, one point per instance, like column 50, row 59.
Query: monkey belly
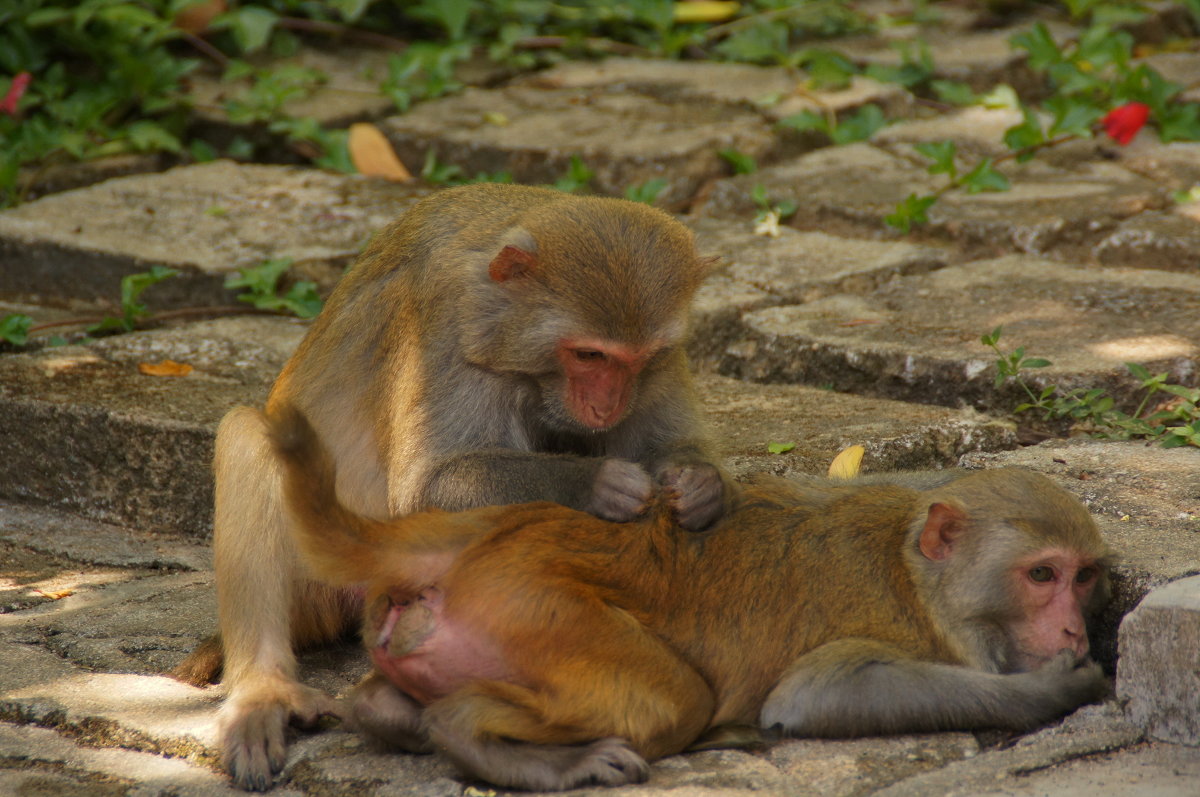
column 428, row 655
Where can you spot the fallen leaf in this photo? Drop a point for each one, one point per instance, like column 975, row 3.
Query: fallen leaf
column 858, row 322
column 373, row 155
column 165, row 368
column 846, row 464
column 196, row 17
column 496, row 118
column 55, row 595
column 780, row 448
column 706, row 10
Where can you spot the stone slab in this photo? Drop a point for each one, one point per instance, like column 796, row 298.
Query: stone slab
column 129, row 448
column 1091, row 731
column 207, row 220
column 746, row 418
column 774, row 92
column 1157, row 673
column 1169, row 241
column 53, row 765
column 917, row 339
column 626, row 139
column 851, row 189
column 1146, row 500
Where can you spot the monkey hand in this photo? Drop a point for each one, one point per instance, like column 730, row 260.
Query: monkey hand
column 253, row 723
column 696, row 494
column 620, row 491
column 1069, row 680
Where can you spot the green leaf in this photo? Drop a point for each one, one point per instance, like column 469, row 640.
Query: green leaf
column 942, row 154
column 1073, row 116
column 953, row 92
column 134, row 285
column 147, row 136
column 993, row 338
column 14, row 328
column 859, row 126
column 350, row 10
column 759, row 194
column 1001, row 97
column 984, row 178
column 1180, row 123
column 251, row 26
column 450, row 15
column 646, row 192
column 578, row 176
column 910, row 212
column 828, row 70
column 780, row 448
column 1026, row 135
column 764, row 42
column 1035, row 362
column 259, row 280
column 740, row 161
column 805, row 120
column 1042, row 49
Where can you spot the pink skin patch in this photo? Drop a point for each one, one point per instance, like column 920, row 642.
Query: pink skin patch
column 1053, row 587
column 600, row 376
column 447, row 658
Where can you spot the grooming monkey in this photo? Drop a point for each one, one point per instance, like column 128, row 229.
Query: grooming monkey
column 498, row 344
column 544, row 648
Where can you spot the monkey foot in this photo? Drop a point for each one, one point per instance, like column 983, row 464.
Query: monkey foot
column 607, row 762
column 253, row 745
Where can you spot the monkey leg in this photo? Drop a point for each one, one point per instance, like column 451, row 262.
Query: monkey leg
column 597, row 711
column 383, row 712
column 861, row 687
column 264, row 604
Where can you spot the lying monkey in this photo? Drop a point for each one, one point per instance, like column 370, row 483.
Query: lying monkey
column 544, row 648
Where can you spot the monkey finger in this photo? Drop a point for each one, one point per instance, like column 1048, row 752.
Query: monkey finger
column 254, row 748
column 620, row 491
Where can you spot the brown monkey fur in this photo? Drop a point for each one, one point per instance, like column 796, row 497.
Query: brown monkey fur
column 544, row 648
column 498, row 344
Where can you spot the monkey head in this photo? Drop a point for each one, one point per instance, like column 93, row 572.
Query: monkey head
column 1015, row 577
column 589, row 298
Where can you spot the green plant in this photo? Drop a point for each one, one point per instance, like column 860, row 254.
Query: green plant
column 14, row 329
column 740, row 161
column 577, row 178
column 770, row 212
column 132, row 310
column 261, row 289
column 648, row 191
column 1095, row 86
column 858, row 126
column 1176, row 423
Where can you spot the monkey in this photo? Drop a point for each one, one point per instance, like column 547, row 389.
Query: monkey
column 497, row 344
column 544, row 648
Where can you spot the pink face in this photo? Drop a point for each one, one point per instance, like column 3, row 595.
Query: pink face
column 600, row 376
column 1053, row 588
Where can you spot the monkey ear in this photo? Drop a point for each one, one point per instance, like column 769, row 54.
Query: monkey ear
column 511, row 262
column 944, row 524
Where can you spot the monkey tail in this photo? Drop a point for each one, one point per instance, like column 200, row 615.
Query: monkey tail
column 343, row 547
column 337, row 544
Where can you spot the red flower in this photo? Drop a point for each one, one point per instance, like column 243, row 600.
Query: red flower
column 1123, row 122
column 19, row 83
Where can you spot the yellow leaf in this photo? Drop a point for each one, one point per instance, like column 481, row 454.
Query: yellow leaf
column 56, row 594
column 706, row 11
column 165, row 368
column 373, row 154
column 845, row 464
column 496, row 118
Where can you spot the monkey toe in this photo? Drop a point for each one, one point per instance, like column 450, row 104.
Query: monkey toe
column 609, row 762
column 253, row 749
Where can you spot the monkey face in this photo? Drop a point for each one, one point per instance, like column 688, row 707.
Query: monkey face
column 1054, row 588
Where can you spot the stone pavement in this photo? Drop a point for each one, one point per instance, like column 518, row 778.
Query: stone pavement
column 835, row 332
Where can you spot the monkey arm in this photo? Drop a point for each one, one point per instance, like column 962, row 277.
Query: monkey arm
column 506, row 476
column 859, row 687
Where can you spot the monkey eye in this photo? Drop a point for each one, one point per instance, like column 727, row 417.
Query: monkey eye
column 589, row 355
column 1085, row 575
column 1041, row 574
